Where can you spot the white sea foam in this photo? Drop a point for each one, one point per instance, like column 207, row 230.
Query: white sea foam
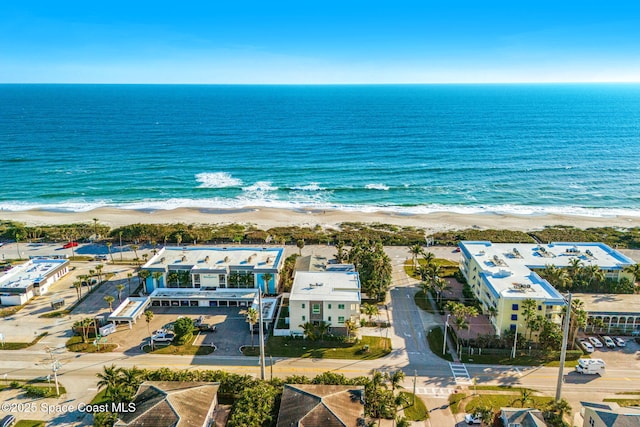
column 260, row 186
column 376, row 186
column 217, row 180
column 314, row 186
column 316, row 201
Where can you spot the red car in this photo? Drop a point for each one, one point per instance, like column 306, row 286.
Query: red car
column 70, row 245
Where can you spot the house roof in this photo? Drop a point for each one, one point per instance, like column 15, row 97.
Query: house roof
column 321, row 405
column 612, row 415
column 325, row 286
column 171, row 404
column 526, row 417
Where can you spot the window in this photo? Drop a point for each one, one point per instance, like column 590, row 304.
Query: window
column 304, row 318
column 340, row 306
column 514, row 317
column 539, row 308
column 329, row 319
column 514, row 307
column 329, row 306
column 303, row 305
column 315, row 309
column 341, row 319
column 511, row 327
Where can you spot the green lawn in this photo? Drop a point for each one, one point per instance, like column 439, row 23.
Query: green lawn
column 497, row 401
column 422, row 301
column 447, row 267
column 21, row 345
column 100, row 398
column 30, row 423
column 184, row 349
column 76, row 345
column 624, row 402
column 435, row 340
column 414, row 411
column 288, row 347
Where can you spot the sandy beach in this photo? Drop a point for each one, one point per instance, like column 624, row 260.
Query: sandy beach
column 265, row 218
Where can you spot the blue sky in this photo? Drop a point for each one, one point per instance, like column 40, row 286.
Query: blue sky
column 327, row 41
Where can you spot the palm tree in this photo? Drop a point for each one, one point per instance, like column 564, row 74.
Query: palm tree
column 120, row 288
column 142, row 276
column 634, row 270
column 156, row 276
column 129, row 276
column 300, row 245
column 111, row 380
column 440, row 285
column 266, row 278
column 529, row 312
column 575, row 264
column 309, row 330
column 99, row 268
column 109, row 300
column 577, row 320
column 18, row 236
column 131, row 379
column 525, row 396
column 135, row 250
column 109, row 244
column 370, row 310
column 351, row 327
column 252, row 319
column 415, row 251
column 485, row 413
column 78, row 287
column 395, row 379
column 148, row 317
column 340, row 255
column 95, row 227
column 322, row 328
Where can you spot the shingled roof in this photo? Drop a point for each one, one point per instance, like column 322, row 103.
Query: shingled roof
column 311, row 405
column 171, row 404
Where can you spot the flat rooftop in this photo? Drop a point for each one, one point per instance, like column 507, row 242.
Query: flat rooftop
column 326, row 286
column 196, row 293
column 33, row 271
column 507, row 267
column 610, row 304
column 210, row 259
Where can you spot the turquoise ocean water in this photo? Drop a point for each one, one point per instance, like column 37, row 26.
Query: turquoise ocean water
column 407, row 148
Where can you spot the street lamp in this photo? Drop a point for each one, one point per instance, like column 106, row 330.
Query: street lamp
column 515, row 343
column 563, row 350
column 444, row 341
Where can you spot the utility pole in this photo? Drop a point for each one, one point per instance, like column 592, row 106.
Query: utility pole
column 563, row 350
column 55, row 365
column 261, row 334
column 415, row 375
column 444, row 341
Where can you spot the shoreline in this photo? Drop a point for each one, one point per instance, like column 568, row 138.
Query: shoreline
column 265, row 218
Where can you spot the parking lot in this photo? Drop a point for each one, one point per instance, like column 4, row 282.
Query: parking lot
column 617, row 356
column 232, row 330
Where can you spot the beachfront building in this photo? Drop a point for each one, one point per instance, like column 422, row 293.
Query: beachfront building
column 211, row 277
column 331, row 296
column 611, row 313
column 503, row 275
column 21, row 283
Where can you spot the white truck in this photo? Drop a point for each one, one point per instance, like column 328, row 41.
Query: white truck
column 590, row 366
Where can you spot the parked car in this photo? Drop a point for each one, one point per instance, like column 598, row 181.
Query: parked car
column 163, row 337
column 8, row 421
column 472, row 419
column 586, row 345
column 70, row 245
column 609, row 342
column 100, row 258
column 87, row 283
column 620, row 342
column 205, row 327
column 596, row 342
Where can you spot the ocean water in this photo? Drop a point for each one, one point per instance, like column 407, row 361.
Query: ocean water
column 406, row 148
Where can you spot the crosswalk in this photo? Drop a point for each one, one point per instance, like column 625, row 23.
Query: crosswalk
column 460, row 373
column 434, row 391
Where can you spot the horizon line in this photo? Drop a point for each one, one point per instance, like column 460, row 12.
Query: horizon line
column 331, row 84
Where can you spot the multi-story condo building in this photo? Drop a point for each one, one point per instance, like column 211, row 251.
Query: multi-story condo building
column 331, row 296
column 211, row 277
column 502, row 275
